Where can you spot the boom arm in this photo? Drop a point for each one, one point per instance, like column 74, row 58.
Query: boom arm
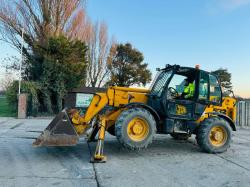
column 115, row 97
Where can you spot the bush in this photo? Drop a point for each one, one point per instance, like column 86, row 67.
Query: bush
column 32, row 89
column 52, row 71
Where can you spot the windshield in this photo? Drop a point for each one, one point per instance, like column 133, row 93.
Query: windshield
column 160, row 82
column 178, row 83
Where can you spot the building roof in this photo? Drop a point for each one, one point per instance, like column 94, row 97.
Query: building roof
column 87, row 90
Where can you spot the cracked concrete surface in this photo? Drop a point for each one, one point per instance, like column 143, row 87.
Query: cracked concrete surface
column 165, row 163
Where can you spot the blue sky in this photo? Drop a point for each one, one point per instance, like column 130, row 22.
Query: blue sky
column 212, row 33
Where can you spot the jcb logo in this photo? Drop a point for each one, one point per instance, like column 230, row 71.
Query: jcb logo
column 181, row 110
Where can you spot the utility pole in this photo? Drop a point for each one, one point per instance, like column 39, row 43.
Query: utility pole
column 20, row 68
column 22, row 98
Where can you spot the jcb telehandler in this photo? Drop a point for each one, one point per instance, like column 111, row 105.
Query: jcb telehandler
column 135, row 115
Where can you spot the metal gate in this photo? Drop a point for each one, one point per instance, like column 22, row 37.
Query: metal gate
column 243, row 114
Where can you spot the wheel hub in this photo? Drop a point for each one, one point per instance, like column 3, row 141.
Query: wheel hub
column 138, row 129
column 218, row 136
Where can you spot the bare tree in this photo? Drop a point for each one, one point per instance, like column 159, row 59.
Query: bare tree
column 42, row 19
column 101, row 49
column 6, row 81
column 39, row 18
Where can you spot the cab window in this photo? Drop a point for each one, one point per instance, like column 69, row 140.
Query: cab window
column 203, row 86
column 215, row 90
column 181, row 87
column 177, row 83
column 160, row 83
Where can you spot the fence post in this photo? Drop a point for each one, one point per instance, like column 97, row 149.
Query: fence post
column 22, row 106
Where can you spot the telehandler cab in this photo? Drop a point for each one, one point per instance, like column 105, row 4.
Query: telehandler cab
column 135, row 115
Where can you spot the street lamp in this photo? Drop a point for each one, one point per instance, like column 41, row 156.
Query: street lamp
column 20, row 67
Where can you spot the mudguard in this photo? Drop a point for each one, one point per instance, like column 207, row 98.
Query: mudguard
column 149, row 108
column 225, row 117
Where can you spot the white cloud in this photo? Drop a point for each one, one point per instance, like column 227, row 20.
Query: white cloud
column 233, row 4
column 215, row 7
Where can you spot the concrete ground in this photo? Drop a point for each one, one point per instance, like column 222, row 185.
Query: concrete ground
column 165, row 163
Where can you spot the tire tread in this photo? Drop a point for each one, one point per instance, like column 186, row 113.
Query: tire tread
column 204, row 129
column 120, row 122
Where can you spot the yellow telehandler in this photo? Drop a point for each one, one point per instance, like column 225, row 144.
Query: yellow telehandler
column 181, row 101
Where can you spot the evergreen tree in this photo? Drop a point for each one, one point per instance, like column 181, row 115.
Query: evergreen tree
column 127, row 67
column 225, row 80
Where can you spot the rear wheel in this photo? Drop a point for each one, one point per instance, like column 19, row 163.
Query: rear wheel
column 180, row 136
column 135, row 128
column 214, row 135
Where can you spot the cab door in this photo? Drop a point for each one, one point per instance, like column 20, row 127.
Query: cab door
column 209, row 90
column 192, row 108
column 177, row 107
column 203, row 94
column 215, row 92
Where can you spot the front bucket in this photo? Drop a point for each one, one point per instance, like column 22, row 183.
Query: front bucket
column 60, row 132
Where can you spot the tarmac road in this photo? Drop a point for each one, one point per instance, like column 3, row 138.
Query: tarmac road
column 165, row 163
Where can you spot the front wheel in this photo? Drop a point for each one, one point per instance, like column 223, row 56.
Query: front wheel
column 214, row 135
column 135, row 128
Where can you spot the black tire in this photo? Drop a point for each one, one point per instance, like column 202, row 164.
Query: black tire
column 122, row 124
column 111, row 130
column 203, row 135
column 180, row 136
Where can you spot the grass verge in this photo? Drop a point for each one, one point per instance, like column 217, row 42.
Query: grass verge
column 5, row 109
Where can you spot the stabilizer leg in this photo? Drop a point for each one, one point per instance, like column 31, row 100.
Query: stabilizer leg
column 92, row 135
column 99, row 156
